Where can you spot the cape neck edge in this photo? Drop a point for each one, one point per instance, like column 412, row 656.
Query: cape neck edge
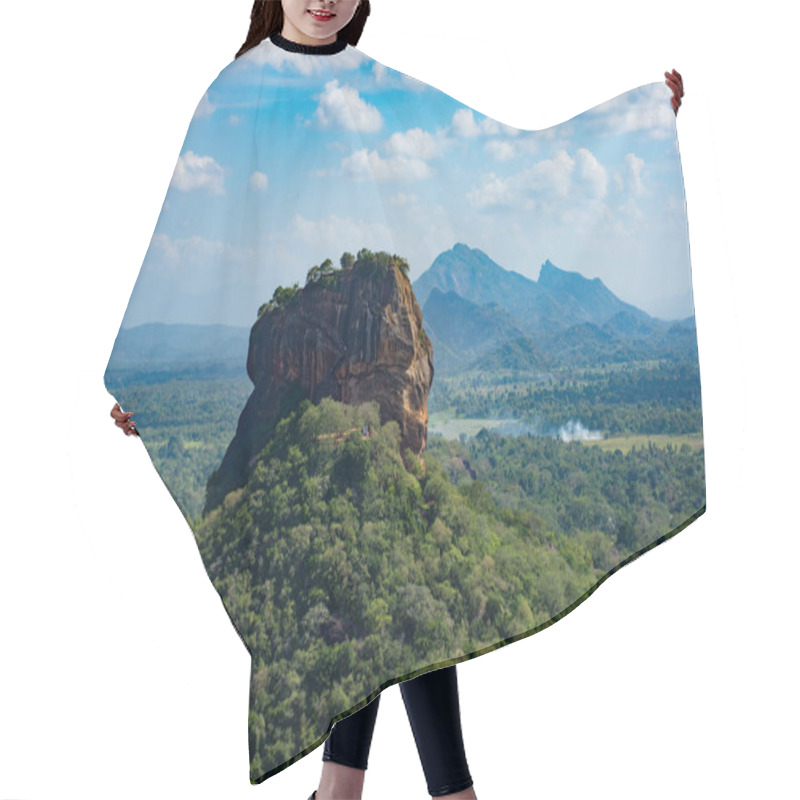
column 308, row 49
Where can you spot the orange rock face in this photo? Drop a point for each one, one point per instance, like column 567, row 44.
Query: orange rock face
column 354, row 337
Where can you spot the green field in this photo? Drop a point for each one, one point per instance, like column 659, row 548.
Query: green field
column 625, row 443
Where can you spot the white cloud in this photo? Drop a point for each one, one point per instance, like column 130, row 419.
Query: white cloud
column 259, row 181
column 205, row 108
column 386, row 77
column 580, row 179
column 198, row 172
column 490, row 126
column 380, row 74
column 634, row 166
column 493, row 191
column 550, row 177
column 562, row 132
column 591, row 178
column 342, row 106
column 500, row 150
column 368, row 164
column 630, row 178
column 464, row 124
column 646, row 109
column 522, row 144
column 414, row 142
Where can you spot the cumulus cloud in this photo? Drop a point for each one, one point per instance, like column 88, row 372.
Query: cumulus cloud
column 194, row 171
column 385, row 77
column 559, row 177
column 380, row 73
column 205, row 108
column 259, row 181
column 548, row 177
column 415, row 143
column 500, row 150
column 366, row 164
column 341, row 105
column 522, row 143
column 646, row 109
column 634, row 166
column 493, row 191
column 464, row 124
column 629, row 178
column 590, row 176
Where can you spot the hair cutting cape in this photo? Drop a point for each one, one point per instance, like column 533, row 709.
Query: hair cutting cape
column 419, row 381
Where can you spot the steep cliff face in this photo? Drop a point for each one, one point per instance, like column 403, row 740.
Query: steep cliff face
column 354, row 336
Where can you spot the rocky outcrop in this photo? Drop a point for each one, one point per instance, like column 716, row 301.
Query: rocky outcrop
column 354, row 335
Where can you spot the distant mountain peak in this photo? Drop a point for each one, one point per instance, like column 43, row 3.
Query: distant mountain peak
column 549, row 271
column 558, row 299
column 554, row 277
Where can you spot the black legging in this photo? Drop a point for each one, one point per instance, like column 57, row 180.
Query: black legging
column 432, row 706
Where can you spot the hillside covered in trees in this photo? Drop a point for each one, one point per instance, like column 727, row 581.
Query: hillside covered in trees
column 344, row 561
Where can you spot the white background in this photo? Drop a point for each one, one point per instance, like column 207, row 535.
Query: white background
column 120, row 674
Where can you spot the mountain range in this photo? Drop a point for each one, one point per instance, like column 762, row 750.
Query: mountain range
column 477, row 314
column 480, row 315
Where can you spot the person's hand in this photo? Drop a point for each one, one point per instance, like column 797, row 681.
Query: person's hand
column 122, row 419
column 675, row 82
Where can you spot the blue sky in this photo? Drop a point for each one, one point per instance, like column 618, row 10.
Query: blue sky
column 290, row 159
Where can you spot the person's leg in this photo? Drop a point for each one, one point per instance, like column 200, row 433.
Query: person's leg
column 346, row 754
column 433, row 710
